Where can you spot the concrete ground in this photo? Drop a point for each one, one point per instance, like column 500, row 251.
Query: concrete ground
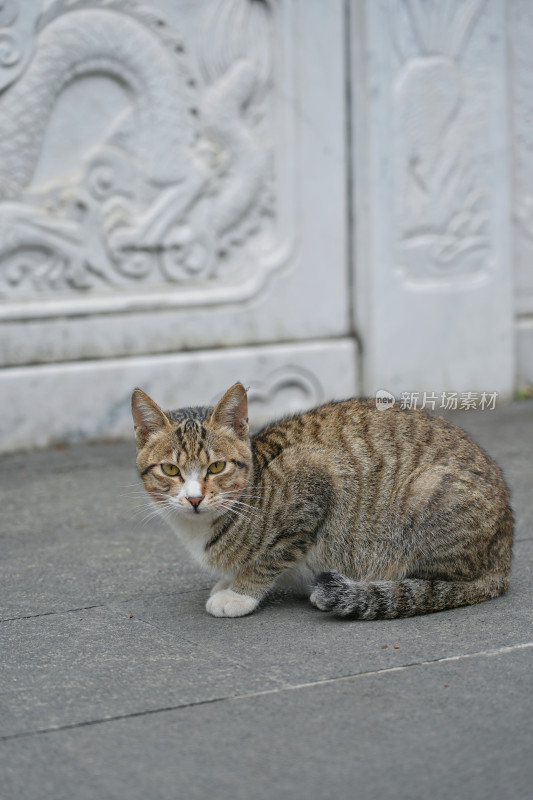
column 115, row 683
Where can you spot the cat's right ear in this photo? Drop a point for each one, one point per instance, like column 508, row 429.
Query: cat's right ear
column 147, row 417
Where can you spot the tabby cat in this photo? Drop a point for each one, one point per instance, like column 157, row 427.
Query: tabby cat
column 381, row 514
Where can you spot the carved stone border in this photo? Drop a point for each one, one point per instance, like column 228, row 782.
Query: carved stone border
column 92, row 399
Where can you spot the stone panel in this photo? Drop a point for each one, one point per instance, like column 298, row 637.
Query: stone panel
column 433, row 272
column 167, row 156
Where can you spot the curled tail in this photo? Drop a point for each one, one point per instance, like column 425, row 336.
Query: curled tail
column 401, row 598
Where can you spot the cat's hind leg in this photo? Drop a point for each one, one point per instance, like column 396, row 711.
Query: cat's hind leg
column 298, row 580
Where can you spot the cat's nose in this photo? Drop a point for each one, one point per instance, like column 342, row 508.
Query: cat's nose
column 195, row 501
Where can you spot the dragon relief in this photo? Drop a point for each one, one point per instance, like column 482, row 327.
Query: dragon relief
column 179, row 190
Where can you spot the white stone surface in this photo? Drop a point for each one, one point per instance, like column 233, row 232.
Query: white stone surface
column 521, row 106
column 521, row 97
column 169, row 179
column 87, row 400
column 169, row 182
column 195, row 180
column 433, row 276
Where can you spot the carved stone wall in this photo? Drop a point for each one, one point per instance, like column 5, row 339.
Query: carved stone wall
column 278, row 191
column 169, row 184
column 433, row 291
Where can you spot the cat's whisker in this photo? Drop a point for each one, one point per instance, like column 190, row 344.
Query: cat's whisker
column 161, row 512
column 150, row 502
column 237, row 502
column 151, row 509
column 252, row 512
column 147, row 517
column 241, row 513
column 244, row 505
column 142, row 507
column 252, row 494
column 136, row 496
column 236, row 495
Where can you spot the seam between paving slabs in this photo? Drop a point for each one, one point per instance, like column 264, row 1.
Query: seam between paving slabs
column 114, row 602
column 106, row 604
column 115, row 607
column 170, row 635
column 263, row 693
column 50, row 613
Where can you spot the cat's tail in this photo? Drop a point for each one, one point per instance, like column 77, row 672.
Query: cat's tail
column 401, row 598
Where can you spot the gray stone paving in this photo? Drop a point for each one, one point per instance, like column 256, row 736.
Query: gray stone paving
column 115, row 683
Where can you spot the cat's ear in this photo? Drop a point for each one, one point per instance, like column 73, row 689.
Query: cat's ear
column 147, row 417
column 232, row 411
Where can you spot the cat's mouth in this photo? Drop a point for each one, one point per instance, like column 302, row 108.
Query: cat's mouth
column 195, row 509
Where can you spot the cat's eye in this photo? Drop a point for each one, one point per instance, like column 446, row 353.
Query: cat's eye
column 170, row 469
column 216, row 466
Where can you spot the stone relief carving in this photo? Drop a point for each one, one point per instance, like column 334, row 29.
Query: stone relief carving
column 441, row 208
column 178, row 196
column 10, row 51
column 286, row 390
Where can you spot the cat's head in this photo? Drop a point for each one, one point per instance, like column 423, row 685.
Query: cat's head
column 195, row 460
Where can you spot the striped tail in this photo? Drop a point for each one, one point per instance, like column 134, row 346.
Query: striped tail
column 402, row 598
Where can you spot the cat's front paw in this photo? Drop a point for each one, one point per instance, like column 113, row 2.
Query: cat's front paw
column 227, row 603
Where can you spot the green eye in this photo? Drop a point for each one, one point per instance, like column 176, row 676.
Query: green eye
column 170, row 469
column 216, row 466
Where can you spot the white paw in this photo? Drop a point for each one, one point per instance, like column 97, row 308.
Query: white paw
column 223, row 583
column 227, row 603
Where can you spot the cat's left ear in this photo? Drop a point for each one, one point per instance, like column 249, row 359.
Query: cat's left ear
column 232, row 411
column 147, row 417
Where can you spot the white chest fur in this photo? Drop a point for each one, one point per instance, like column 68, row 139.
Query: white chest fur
column 194, row 532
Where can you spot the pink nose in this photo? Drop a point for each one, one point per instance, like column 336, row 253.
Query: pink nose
column 195, row 501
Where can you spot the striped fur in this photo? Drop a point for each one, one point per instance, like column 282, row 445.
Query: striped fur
column 395, row 512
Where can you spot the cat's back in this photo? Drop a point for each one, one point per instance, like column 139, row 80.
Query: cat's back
column 355, row 421
column 395, row 439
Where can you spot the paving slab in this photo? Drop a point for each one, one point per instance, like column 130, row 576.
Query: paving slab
column 65, row 669
column 507, row 435
column 459, row 728
column 73, row 520
column 166, row 651
column 115, row 682
column 295, row 642
column 74, row 531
